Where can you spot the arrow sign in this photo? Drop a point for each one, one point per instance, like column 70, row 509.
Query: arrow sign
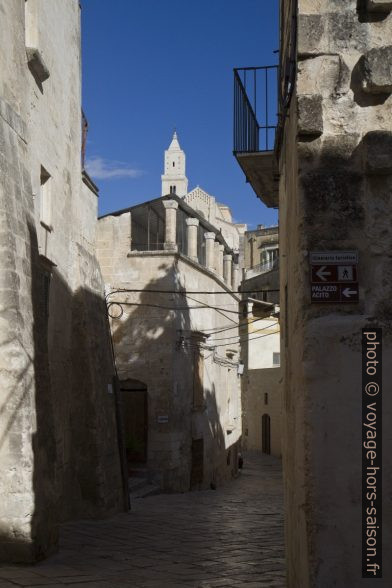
column 348, row 293
column 321, row 273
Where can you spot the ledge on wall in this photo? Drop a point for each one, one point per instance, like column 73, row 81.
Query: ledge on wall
column 89, row 183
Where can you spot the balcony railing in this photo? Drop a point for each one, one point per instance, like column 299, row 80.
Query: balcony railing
column 261, row 268
column 255, row 108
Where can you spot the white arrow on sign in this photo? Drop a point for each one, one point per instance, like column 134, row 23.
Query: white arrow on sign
column 347, row 292
column 321, row 273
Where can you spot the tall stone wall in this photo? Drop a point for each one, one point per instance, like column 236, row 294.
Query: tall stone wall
column 56, row 361
column 335, row 194
column 153, row 345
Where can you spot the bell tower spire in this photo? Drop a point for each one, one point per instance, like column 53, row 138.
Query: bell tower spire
column 174, row 180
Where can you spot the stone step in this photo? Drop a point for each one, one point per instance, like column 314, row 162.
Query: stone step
column 141, row 487
column 136, row 483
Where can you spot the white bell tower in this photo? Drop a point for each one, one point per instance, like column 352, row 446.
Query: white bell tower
column 174, row 180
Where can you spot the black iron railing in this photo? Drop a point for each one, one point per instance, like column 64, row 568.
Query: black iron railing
column 255, row 108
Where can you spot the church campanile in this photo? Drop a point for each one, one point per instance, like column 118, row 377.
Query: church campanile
column 174, row 180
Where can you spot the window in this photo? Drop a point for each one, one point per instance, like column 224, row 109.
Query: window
column 31, row 24
column 35, row 60
column 269, row 255
column 174, row 164
column 265, row 397
column 46, row 199
column 276, row 359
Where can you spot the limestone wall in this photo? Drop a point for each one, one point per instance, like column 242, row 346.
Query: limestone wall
column 55, row 462
column 256, row 384
column 335, row 190
column 157, row 345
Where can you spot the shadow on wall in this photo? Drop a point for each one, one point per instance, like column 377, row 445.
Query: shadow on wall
column 155, row 345
column 61, row 435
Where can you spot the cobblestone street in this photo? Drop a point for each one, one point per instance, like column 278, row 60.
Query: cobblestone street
column 232, row 537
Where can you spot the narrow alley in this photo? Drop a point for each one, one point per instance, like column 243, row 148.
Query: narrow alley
column 232, row 536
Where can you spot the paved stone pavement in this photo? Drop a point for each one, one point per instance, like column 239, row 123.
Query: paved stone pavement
column 230, row 537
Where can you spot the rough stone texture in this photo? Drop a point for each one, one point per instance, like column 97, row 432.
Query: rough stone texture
column 310, row 32
column 377, row 146
column 321, row 73
column 52, row 407
column 158, row 346
column 377, row 69
column 379, row 5
column 334, row 195
column 310, row 115
column 229, row 537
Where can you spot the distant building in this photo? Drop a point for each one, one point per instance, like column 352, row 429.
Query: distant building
column 174, row 181
column 261, row 250
column 260, row 350
column 170, row 277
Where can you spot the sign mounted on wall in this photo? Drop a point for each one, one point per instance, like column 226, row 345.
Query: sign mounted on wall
column 334, row 276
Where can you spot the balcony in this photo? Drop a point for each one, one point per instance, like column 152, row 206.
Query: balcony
column 261, row 268
column 255, row 124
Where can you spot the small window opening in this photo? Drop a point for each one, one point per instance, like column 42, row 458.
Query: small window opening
column 265, row 397
column 46, row 199
column 31, row 24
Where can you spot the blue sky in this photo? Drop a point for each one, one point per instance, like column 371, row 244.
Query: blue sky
column 151, row 66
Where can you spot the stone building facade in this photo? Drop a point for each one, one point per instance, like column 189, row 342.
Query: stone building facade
column 335, row 194
column 170, row 277
column 262, row 378
column 260, row 352
column 174, row 181
column 261, row 250
column 331, row 174
column 58, row 443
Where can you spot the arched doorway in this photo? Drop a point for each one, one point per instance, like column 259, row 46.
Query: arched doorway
column 135, row 419
column 266, row 434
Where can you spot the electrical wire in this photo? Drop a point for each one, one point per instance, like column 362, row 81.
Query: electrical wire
column 217, row 330
column 123, row 303
column 221, row 311
column 233, row 336
column 196, row 346
column 239, row 336
column 184, row 292
column 253, row 339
